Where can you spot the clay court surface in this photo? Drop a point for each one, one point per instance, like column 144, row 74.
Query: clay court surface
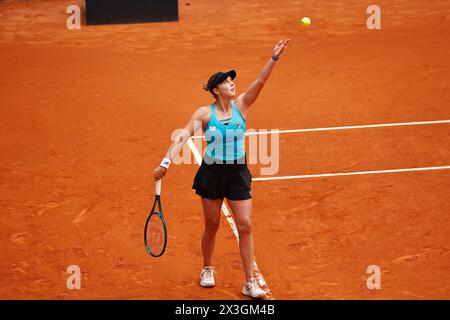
column 86, row 115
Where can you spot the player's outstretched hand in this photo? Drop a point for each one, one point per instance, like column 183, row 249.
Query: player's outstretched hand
column 280, row 47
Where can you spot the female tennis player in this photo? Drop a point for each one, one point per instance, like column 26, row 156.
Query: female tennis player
column 223, row 172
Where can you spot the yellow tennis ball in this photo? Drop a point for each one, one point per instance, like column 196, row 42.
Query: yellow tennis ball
column 305, row 21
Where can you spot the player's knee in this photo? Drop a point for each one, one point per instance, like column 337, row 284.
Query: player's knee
column 245, row 227
column 212, row 226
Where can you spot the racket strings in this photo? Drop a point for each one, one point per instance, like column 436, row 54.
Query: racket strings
column 155, row 234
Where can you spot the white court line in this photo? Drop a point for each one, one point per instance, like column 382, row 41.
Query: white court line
column 232, row 224
column 346, row 127
column 310, row 176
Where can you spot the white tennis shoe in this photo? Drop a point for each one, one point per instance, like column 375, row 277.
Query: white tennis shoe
column 207, row 277
column 252, row 289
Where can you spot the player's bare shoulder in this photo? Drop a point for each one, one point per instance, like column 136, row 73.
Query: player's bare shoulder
column 243, row 109
column 203, row 113
column 239, row 101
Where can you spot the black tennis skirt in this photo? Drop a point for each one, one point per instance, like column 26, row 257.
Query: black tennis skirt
column 226, row 180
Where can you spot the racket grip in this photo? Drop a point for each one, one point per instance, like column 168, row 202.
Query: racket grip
column 158, row 187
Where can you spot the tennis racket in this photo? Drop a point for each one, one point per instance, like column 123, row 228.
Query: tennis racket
column 155, row 232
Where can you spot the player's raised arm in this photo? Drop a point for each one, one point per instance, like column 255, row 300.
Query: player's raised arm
column 180, row 139
column 245, row 100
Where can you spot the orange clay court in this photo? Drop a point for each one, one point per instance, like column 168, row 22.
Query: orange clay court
column 86, row 115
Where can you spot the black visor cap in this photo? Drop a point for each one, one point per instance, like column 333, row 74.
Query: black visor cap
column 220, row 77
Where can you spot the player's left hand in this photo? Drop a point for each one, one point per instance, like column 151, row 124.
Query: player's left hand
column 280, row 47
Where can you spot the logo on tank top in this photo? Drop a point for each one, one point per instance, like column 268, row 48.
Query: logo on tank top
column 238, row 125
column 212, row 128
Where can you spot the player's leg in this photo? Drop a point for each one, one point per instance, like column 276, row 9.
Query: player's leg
column 242, row 210
column 211, row 212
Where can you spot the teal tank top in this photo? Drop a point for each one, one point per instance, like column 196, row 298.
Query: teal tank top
column 225, row 141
